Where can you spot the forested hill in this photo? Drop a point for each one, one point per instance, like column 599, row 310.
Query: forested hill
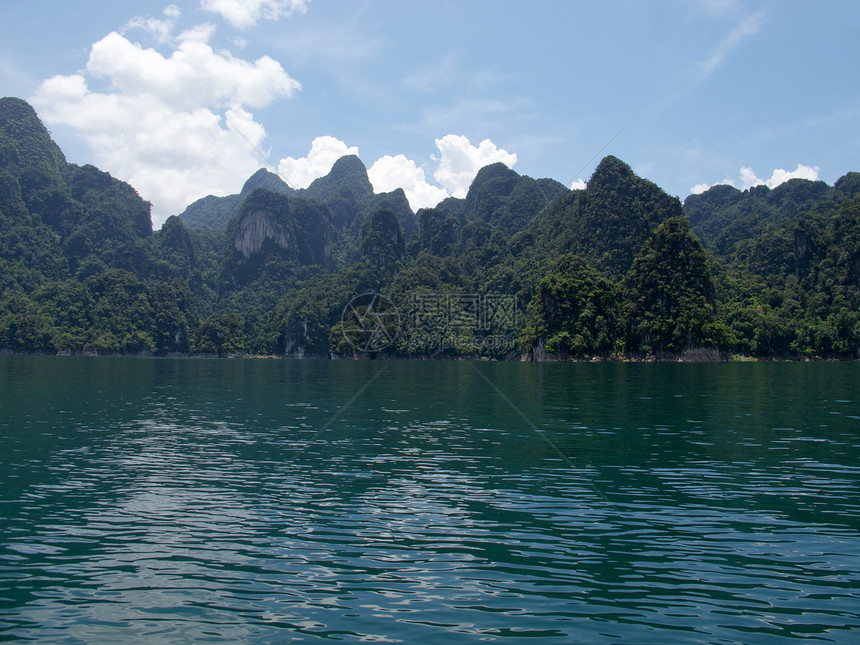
column 520, row 268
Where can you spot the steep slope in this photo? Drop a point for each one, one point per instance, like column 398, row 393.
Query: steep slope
column 212, row 213
column 347, row 174
column 26, row 148
column 92, row 216
column 273, row 236
column 500, row 197
column 346, row 191
column 610, row 220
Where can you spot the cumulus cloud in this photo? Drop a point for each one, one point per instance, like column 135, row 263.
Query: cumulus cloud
column 456, row 166
column 247, row 13
column 390, row 173
column 168, row 124
column 460, row 161
column 698, row 189
column 160, row 28
column 178, row 125
column 578, row 184
column 299, row 173
column 781, row 176
column 747, row 178
column 193, row 75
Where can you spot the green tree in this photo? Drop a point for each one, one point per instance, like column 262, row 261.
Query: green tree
column 221, row 334
column 669, row 294
column 574, row 312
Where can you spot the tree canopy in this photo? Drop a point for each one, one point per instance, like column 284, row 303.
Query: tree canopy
column 520, row 267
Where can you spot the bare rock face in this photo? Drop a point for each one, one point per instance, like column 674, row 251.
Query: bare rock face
column 274, row 236
column 255, row 228
column 265, row 220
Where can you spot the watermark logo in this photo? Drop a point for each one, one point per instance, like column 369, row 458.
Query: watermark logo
column 467, row 323
column 441, row 312
column 370, row 322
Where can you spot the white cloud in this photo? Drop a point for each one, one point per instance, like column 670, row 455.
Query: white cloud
column 160, row 29
column 746, row 27
column 456, row 167
column 747, row 178
column 162, row 125
column 779, row 176
column 247, row 13
column 578, row 184
column 390, row 173
column 299, row 173
column 460, row 161
column 193, row 75
column 700, row 188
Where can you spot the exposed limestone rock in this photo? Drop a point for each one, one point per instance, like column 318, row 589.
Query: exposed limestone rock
column 257, row 227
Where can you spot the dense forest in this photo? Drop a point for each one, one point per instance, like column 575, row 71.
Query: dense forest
column 519, row 269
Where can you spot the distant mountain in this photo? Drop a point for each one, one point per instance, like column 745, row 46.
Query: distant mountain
column 500, row 197
column 518, row 268
column 268, row 181
column 724, row 215
column 79, row 267
column 345, row 191
column 26, row 147
column 212, row 213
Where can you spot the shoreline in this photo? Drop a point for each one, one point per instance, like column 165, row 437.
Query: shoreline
column 724, row 357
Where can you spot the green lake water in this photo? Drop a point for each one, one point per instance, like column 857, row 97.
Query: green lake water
column 265, row 501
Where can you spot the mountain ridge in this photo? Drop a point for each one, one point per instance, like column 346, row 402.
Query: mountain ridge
column 518, row 269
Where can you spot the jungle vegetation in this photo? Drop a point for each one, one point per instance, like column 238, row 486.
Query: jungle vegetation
column 520, row 268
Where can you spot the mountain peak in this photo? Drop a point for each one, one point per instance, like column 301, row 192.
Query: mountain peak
column 348, row 173
column 495, row 171
column 490, row 186
column 268, row 180
column 13, row 107
column 26, row 143
column 611, row 172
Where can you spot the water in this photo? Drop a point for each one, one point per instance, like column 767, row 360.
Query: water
column 173, row 501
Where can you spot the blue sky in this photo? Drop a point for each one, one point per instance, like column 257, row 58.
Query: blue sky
column 189, row 98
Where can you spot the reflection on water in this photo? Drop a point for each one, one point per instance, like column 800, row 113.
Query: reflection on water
column 171, row 501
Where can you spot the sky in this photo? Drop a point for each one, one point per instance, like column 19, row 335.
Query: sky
column 189, row 98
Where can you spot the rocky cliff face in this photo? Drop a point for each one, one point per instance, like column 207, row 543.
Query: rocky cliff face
column 275, row 233
column 345, row 193
column 255, row 228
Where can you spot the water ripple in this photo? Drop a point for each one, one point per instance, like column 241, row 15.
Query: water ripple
column 170, row 523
